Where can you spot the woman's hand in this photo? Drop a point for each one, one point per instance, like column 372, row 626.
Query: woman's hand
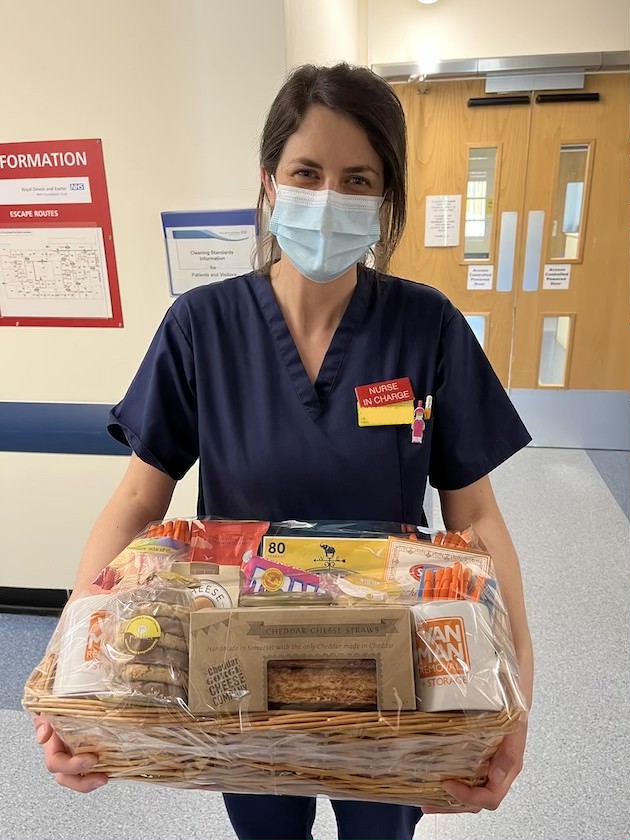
column 475, row 505
column 70, row 771
column 504, row 768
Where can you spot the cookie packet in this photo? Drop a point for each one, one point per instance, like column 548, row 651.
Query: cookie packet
column 126, row 636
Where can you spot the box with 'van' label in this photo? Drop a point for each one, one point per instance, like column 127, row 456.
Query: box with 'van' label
column 457, row 666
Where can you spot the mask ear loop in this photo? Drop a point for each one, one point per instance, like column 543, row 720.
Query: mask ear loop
column 273, row 238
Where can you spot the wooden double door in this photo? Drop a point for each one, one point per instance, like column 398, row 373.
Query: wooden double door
column 519, row 210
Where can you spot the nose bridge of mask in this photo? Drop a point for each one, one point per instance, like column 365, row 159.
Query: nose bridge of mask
column 328, row 211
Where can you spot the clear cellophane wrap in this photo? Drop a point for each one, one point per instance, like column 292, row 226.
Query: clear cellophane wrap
column 355, row 660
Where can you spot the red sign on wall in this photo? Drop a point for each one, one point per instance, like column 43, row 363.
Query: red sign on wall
column 57, row 261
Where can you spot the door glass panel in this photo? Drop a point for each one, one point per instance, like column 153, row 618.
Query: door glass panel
column 479, row 203
column 477, row 323
column 568, row 202
column 554, row 351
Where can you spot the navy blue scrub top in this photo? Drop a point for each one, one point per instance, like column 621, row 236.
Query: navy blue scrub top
column 222, row 381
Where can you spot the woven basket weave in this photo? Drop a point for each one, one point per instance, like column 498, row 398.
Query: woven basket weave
column 375, row 756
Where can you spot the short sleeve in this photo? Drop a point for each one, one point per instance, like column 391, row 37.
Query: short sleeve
column 476, row 427
column 157, row 418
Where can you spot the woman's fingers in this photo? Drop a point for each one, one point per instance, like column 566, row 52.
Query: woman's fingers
column 43, row 731
column 463, row 810
column 504, row 767
column 59, row 760
column 71, row 771
column 82, row 784
column 474, row 799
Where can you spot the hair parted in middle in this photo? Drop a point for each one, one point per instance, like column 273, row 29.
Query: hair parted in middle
column 370, row 101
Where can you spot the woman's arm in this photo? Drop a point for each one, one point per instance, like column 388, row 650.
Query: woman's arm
column 476, row 505
column 142, row 496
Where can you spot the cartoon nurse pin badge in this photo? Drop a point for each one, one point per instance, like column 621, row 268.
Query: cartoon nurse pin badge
column 417, row 428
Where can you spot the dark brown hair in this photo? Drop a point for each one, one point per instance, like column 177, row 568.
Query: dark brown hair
column 369, row 100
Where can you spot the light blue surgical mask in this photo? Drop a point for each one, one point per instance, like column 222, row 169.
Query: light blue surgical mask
column 324, row 232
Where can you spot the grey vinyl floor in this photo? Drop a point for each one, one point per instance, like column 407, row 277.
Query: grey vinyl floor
column 567, row 512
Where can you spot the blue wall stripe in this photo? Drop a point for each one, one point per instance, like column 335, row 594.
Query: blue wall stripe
column 66, row 428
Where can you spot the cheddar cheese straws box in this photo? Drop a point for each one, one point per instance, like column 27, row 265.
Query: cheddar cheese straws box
column 304, row 658
column 457, row 666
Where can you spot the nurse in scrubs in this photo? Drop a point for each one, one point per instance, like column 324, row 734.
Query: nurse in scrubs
column 280, row 351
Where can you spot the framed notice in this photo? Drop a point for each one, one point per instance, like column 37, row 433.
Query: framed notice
column 57, row 260
column 207, row 246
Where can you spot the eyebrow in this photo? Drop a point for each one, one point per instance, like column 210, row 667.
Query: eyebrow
column 355, row 169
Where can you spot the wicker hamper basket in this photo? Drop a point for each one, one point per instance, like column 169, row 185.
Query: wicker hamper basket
column 388, row 757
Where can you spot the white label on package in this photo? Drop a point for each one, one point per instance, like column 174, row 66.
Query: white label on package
column 79, row 669
column 457, row 665
column 406, row 560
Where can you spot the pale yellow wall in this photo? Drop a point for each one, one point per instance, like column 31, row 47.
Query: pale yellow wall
column 405, row 30
column 325, row 31
column 388, row 31
column 48, row 505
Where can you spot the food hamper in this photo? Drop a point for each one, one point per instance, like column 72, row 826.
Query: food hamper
column 355, row 660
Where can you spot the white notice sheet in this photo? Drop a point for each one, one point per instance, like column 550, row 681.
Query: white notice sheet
column 442, row 221
column 204, row 254
column 53, row 273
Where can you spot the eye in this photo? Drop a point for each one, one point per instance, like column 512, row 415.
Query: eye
column 358, row 181
column 305, row 173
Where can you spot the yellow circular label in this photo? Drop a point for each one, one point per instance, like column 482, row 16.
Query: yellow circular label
column 272, row 580
column 142, row 633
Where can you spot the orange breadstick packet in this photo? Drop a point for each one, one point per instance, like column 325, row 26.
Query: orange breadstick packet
column 429, row 582
column 457, row 581
column 480, row 581
column 438, row 583
column 181, row 530
column 467, row 577
column 445, row 588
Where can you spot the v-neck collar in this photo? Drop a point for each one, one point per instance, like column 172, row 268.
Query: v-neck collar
column 313, row 395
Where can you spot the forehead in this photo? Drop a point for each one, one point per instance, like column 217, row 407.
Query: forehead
column 330, row 139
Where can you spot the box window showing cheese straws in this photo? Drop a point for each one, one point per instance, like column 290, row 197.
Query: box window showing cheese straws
column 356, row 660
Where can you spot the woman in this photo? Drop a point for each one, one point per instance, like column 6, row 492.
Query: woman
column 256, row 378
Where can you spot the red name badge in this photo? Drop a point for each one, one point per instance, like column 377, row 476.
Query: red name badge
column 380, row 394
